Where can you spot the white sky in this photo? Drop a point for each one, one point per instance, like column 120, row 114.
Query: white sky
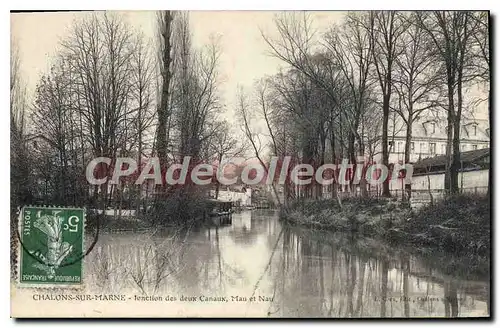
column 244, row 53
column 243, row 59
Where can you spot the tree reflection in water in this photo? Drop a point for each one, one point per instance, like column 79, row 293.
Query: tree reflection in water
column 306, row 273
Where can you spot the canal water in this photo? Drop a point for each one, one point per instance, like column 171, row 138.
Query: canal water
column 259, row 266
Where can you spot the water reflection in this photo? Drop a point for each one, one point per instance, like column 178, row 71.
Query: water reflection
column 297, row 272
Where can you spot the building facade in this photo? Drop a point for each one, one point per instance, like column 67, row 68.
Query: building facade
column 240, row 195
column 429, row 138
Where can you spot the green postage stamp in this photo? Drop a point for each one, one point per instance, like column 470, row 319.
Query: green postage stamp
column 51, row 246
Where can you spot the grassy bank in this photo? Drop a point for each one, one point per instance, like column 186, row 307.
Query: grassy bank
column 456, row 228
column 363, row 215
column 458, row 225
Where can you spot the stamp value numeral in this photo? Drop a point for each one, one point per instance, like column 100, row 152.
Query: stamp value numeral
column 72, row 225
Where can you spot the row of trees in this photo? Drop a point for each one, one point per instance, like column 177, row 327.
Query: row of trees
column 112, row 92
column 343, row 90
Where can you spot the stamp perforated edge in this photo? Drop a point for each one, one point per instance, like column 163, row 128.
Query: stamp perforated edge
column 47, row 287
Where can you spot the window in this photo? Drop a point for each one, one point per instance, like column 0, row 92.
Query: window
column 422, row 147
column 412, row 145
column 474, row 147
column 443, row 149
column 463, row 147
column 474, row 130
column 400, row 146
column 432, row 148
column 433, row 127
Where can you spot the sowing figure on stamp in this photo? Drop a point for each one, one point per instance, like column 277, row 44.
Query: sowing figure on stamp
column 57, row 249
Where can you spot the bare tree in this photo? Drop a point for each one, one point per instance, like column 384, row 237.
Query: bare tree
column 225, row 144
column 351, row 46
column 196, row 97
column 385, row 29
column 99, row 54
column 51, row 125
column 278, row 103
column 164, row 23
column 416, row 80
column 143, row 77
column 482, row 43
column 20, row 186
column 245, row 116
column 295, row 44
column 20, row 181
column 346, row 62
column 452, row 35
column 17, row 94
column 267, row 112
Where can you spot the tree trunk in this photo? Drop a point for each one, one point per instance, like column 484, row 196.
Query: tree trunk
column 408, row 152
column 455, row 164
column 217, row 184
column 139, row 154
column 319, row 191
column 352, row 159
column 163, row 110
column 449, row 138
column 385, row 151
column 334, row 161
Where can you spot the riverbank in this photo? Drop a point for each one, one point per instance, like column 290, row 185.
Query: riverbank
column 457, row 228
column 361, row 215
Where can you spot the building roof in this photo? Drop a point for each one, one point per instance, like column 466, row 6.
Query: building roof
column 467, row 157
column 422, row 128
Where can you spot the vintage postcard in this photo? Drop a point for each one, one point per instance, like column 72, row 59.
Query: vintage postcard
column 250, row 164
